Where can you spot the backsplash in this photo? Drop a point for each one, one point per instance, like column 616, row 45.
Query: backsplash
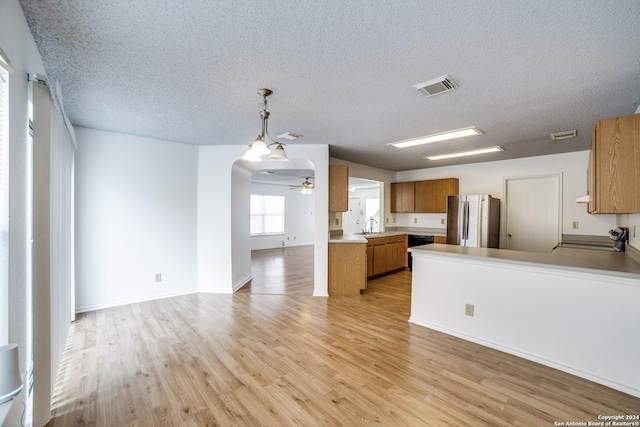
column 426, row 220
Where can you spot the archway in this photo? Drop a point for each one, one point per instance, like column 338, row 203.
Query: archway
column 242, row 172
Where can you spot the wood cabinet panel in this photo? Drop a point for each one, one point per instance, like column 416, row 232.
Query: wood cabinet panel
column 614, row 175
column 402, row 254
column 431, row 195
column 439, row 239
column 402, row 197
column 379, row 259
column 386, row 254
column 347, row 268
column 338, row 188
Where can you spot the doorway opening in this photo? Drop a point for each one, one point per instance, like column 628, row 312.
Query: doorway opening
column 365, row 206
column 282, row 232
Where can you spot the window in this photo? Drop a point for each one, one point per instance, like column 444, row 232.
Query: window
column 267, row 214
column 5, row 69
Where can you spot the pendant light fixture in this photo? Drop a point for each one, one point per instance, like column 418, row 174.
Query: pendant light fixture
column 259, row 149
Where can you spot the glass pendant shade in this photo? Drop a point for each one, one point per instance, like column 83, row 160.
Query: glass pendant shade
column 306, row 190
column 259, row 147
column 256, row 150
column 279, row 154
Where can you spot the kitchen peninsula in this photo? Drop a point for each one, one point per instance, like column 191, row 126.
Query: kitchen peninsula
column 355, row 258
column 576, row 314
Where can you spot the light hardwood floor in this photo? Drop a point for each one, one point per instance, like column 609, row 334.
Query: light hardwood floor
column 279, row 360
column 282, row 271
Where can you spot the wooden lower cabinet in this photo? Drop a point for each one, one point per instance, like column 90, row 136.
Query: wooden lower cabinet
column 347, row 268
column 386, row 254
column 440, row 239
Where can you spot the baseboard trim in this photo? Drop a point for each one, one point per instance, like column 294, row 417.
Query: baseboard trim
column 242, row 282
column 133, row 301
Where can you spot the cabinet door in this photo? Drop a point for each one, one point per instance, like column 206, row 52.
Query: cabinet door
column 392, row 256
column 369, row 260
column 379, row 259
column 396, row 197
column 402, row 197
column 616, row 155
column 591, row 186
column 338, row 188
column 424, row 197
column 442, row 189
column 408, row 197
column 401, row 249
column 431, row 195
column 439, row 239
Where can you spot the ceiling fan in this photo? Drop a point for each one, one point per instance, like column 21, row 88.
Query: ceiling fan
column 307, row 186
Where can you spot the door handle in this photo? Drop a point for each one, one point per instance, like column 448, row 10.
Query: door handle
column 509, row 235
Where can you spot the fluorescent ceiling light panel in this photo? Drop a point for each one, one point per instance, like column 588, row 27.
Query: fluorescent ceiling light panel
column 444, row 136
column 466, row 153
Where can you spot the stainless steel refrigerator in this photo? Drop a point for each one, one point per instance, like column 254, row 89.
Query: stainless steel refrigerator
column 473, row 220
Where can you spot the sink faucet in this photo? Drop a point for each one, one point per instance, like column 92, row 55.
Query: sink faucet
column 371, row 226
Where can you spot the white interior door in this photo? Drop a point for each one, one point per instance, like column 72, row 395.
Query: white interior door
column 532, row 213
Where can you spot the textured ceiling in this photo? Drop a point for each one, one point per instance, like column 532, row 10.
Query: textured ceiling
column 343, row 72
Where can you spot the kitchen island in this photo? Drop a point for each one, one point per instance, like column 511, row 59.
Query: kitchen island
column 575, row 313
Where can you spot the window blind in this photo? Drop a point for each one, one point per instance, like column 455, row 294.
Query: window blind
column 5, row 69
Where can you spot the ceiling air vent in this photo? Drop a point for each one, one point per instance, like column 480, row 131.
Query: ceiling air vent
column 567, row 134
column 436, row 86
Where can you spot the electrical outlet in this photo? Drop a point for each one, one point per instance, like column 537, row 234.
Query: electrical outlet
column 294, row 237
column 288, row 238
column 576, row 225
column 442, row 221
column 337, row 221
column 158, row 277
column 415, row 220
column 394, row 221
column 468, row 309
column 387, row 221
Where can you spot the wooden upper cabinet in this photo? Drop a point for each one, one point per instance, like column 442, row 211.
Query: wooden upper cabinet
column 614, row 173
column 431, row 195
column 402, row 197
column 338, row 188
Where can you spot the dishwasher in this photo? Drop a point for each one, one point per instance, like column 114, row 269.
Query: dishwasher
column 417, row 240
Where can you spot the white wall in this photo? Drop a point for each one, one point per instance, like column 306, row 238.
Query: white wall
column 488, row 178
column 17, row 42
column 136, row 213
column 298, row 217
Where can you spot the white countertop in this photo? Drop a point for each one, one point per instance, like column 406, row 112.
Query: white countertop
column 589, row 261
column 348, row 238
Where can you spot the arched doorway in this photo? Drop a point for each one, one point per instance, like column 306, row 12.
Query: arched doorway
column 242, row 173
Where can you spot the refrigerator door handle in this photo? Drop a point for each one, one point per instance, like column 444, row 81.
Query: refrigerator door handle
column 466, row 221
